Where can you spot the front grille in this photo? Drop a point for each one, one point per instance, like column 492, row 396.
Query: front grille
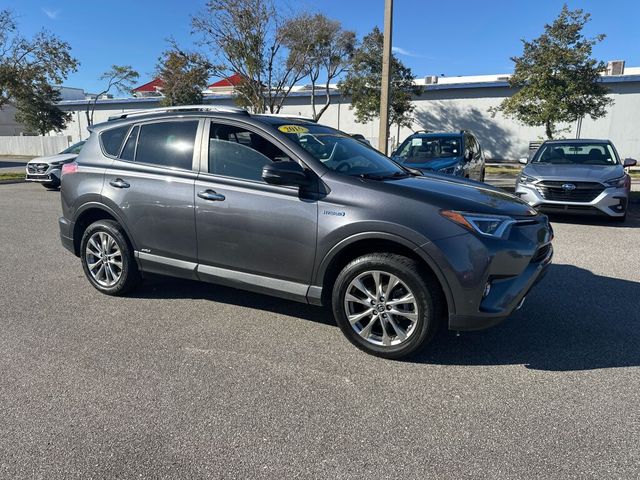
column 583, row 191
column 541, row 254
column 37, row 167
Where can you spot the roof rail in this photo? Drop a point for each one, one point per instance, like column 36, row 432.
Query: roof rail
column 182, row 108
column 422, row 131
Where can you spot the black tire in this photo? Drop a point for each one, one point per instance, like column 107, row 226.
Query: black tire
column 482, row 175
column 621, row 219
column 51, row 185
column 421, row 283
column 130, row 275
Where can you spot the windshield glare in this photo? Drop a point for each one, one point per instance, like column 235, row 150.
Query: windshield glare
column 421, row 149
column 576, row 154
column 344, row 154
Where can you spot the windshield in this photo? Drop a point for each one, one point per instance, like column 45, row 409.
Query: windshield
column 421, row 149
column 75, row 148
column 576, row 154
column 341, row 152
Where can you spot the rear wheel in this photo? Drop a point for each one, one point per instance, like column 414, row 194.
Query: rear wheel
column 107, row 258
column 386, row 305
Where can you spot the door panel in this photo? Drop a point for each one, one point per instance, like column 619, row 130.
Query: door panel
column 258, row 228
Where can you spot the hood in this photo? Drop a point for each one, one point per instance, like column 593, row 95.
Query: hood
column 433, row 164
column 456, row 193
column 60, row 157
column 577, row 173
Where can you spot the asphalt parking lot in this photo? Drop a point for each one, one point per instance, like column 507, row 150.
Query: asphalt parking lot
column 183, row 379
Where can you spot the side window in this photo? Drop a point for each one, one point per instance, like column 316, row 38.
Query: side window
column 167, row 144
column 112, row 140
column 129, row 150
column 239, row 153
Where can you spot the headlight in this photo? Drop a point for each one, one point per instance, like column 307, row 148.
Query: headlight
column 453, row 170
column 523, row 178
column 617, row 182
column 496, row 226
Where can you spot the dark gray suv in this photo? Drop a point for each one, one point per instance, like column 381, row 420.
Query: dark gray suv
column 301, row 211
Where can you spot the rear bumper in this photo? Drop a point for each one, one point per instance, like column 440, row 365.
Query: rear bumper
column 611, row 202
column 66, row 234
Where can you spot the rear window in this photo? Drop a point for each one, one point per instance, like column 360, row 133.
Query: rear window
column 112, row 140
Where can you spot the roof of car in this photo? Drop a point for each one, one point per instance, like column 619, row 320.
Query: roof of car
column 579, row 140
column 238, row 114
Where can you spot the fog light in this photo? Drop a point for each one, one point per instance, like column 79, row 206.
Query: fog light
column 487, row 289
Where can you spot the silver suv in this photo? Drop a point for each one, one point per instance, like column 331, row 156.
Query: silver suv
column 577, row 176
column 302, row 211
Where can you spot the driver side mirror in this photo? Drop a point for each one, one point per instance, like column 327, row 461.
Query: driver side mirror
column 286, row 173
column 523, row 160
column 629, row 162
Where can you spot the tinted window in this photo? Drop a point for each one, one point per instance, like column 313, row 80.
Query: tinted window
column 129, row 149
column 112, row 140
column 168, row 144
column 239, row 153
column 420, row 149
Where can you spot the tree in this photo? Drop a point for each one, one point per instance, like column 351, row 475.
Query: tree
column 28, row 68
column 364, row 78
column 557, row 78
column 39, row 113
column 122, row 78
column 184, row 76
column 324, row 49
column 244, row 37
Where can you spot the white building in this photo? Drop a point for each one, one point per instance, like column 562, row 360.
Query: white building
column 447, row 104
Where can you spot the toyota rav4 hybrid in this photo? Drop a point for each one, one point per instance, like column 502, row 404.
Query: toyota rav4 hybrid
column 301, row 211
column 577, row 176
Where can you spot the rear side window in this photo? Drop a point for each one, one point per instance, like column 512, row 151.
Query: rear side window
column 129, row 150
column 112, row 140
column 167, row 144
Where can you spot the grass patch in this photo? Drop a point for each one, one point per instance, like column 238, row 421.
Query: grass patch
column 11, row 176
column 502, row 170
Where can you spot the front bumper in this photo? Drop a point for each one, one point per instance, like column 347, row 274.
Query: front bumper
column 511, row 267
column 50, row 175
column 611, row 202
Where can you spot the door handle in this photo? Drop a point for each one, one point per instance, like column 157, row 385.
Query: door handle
column 119, row 183
column 211, row 195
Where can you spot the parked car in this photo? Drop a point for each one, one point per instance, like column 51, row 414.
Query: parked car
column 458, row 154
column 46, row 170
column 362, row 138
column 301, row 211
column 576, row 176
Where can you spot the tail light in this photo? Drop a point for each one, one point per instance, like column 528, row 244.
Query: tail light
column 67, row 168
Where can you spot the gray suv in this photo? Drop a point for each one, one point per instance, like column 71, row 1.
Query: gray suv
column 301, row 211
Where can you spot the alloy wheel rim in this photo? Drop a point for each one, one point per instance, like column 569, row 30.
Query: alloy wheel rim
column 381, row 308
column 104, row 259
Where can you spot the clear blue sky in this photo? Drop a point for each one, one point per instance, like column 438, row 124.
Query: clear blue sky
column 463, row 37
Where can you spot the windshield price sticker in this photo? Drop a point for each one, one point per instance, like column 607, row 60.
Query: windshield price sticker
column 293, row 129
column 415, row 142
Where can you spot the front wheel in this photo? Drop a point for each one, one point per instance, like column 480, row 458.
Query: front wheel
column 386, row 304
column 107, row 258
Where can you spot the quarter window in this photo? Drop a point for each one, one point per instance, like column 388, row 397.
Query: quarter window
column 112, row 140
column 167, row 144
column 129, row 150
column 239, row 153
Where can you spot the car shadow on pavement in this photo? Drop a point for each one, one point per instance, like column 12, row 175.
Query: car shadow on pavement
column 573, row 320
column 161, row 287
column 632, row 221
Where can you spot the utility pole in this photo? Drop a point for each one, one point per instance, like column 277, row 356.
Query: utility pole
column 383, row 132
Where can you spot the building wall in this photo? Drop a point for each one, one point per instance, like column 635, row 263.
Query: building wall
column 443, row 109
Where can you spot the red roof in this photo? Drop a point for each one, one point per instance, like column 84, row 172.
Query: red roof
column 231, row 81
column 152, row 86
